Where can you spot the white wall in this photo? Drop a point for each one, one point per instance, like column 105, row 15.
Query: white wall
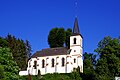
column 58, row 68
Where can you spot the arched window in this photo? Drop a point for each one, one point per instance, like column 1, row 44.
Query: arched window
column 35, row 64
column 53, row 62
column 63, row 61
column 43, row 63
column 74, row 40
column 74, row 60
column 29, row 64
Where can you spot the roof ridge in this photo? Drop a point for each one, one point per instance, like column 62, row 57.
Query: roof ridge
column 53, row 48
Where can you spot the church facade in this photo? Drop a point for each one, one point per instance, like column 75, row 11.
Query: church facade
column 58, row 60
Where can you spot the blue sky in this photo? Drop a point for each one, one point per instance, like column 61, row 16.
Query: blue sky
column 33, row 19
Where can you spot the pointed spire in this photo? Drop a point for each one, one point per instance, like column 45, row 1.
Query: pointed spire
column 76, row 27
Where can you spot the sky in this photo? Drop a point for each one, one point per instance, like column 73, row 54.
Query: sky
column 33, row 19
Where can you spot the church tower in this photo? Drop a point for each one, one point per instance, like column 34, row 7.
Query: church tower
column 76, row 46
column 76, row 40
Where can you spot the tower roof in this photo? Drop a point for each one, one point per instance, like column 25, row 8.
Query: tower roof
column 76, row 27
column 76, row 30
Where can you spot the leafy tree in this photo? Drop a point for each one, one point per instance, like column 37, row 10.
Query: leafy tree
column 52, row 37
column 1, row 72
column 67, row 40
column 55, row 76
column 89, row 65
column 56, row 37
column 60, row 37
column 75, row 75
column 10, row 68
column 108, row 65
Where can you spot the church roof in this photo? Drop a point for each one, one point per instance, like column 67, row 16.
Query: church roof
column 51, row 52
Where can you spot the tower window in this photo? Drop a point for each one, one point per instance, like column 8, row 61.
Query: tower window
column 43, row 63
column 63, row 61
column 74, row 40
column 74, row 60
column 53, row 62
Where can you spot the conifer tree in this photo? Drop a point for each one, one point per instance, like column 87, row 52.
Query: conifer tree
column 20, row 49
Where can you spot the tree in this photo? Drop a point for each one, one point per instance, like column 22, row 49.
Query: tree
column 68, row 34
column 60, row 37
column 89, row 64
column 3, row 42
column 20, row 49
column 75, row 75
column 108, row 65
column 8, row 65
column 56, row 76
column 1, row 72
column 52, row 37
column 28, row 48
column 56, row 37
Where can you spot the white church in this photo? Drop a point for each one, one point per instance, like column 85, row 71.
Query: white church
column 58, row 60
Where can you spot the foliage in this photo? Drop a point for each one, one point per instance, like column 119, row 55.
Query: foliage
column 3, row 42
column 75, row 75
column 9, row 66
column 58, row 37
column 67, row 40
column 108, row 66
column 55, row 76
column 89, row 64
column 28, row 49
column 21, row 50
column 1, row 72
column 23, row 78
